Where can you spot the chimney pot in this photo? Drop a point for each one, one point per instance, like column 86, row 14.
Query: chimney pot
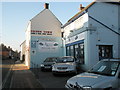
column 81, row 7
column 46, row 5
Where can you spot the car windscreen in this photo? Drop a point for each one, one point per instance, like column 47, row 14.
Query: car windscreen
column 105, row 68
column 50, row 59
column 65, row 59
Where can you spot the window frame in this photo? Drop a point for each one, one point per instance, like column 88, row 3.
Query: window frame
column 103, row 54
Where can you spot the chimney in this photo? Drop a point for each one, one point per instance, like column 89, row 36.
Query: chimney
column 46, row 5
column 81, row 7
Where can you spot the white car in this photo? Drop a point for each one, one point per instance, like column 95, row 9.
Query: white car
column 65, row 65
column 104, row 75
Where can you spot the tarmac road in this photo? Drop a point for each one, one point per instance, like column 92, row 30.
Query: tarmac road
column 48, row 80
column 5, row 66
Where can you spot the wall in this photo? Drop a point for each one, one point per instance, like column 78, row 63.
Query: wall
column 23, row 49
column 46, row 38
column 75, row 26
column 103, row 12
column 27, row 44
column 79, row 29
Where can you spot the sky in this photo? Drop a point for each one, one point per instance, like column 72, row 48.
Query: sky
column 16, row 15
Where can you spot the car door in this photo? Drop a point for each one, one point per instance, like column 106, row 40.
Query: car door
column 119, row 77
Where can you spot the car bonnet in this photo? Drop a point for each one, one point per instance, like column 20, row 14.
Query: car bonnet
column 87, row 79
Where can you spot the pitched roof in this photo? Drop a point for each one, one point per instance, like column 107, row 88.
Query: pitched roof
column 78, row 14
column 43, row 11
column 23, row 42
column 83, row 11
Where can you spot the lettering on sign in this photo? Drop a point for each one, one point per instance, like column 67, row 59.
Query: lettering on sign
column 36, row 32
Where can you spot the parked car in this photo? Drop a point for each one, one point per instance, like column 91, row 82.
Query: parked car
column 104, row 75
column 66, row 64
column 48, row 62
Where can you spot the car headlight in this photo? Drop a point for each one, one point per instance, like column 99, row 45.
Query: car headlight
column 87, row 87
column 42, row 65
column 53, row 67
column 71, row 67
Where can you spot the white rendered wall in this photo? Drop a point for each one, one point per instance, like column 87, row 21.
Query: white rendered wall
column 27, row 53
column 23, row 49
column 104, row 13
column 75, row 26
column 45, row 21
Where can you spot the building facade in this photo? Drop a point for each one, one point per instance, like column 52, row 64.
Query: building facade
column 90, row 36
column 23, row 50
column 93, row 34
column 43, row 38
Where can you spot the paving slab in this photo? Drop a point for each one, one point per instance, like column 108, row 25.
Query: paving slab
column 23, row 78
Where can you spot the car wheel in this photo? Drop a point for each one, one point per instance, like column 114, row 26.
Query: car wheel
column 110, row 88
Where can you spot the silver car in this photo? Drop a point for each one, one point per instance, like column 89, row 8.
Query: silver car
column 104, row 75
column 47, row 63
column 65, row 65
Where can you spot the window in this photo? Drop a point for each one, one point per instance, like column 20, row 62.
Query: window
column 108, row 68
column 71, row 50
column 62, row 34
column 81, row 53
column 105, row 51
column 76, row 51
column 67, row 51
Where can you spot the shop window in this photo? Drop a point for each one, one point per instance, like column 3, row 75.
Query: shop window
column 105, row 51
column 67, row 51
column 81, row 53
column 76, row 51
column 71, row 50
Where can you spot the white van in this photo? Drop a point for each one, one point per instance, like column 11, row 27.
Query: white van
column 105, row 75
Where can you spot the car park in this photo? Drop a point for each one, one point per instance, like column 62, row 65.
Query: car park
column 66, row 64
column 104, row 75
column 48, row 62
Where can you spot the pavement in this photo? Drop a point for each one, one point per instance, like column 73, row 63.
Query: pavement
column 23, row 78
column 5, row 72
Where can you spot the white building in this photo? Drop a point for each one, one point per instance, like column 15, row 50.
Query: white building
column 43, row 38
column 94, row 33
column 23, row 50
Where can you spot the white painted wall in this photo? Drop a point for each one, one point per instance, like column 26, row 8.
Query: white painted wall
column 75, row 26
column 27, row 53
column 23, row 49
column 104, row 13
column 46, row 20
column 97, row 33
